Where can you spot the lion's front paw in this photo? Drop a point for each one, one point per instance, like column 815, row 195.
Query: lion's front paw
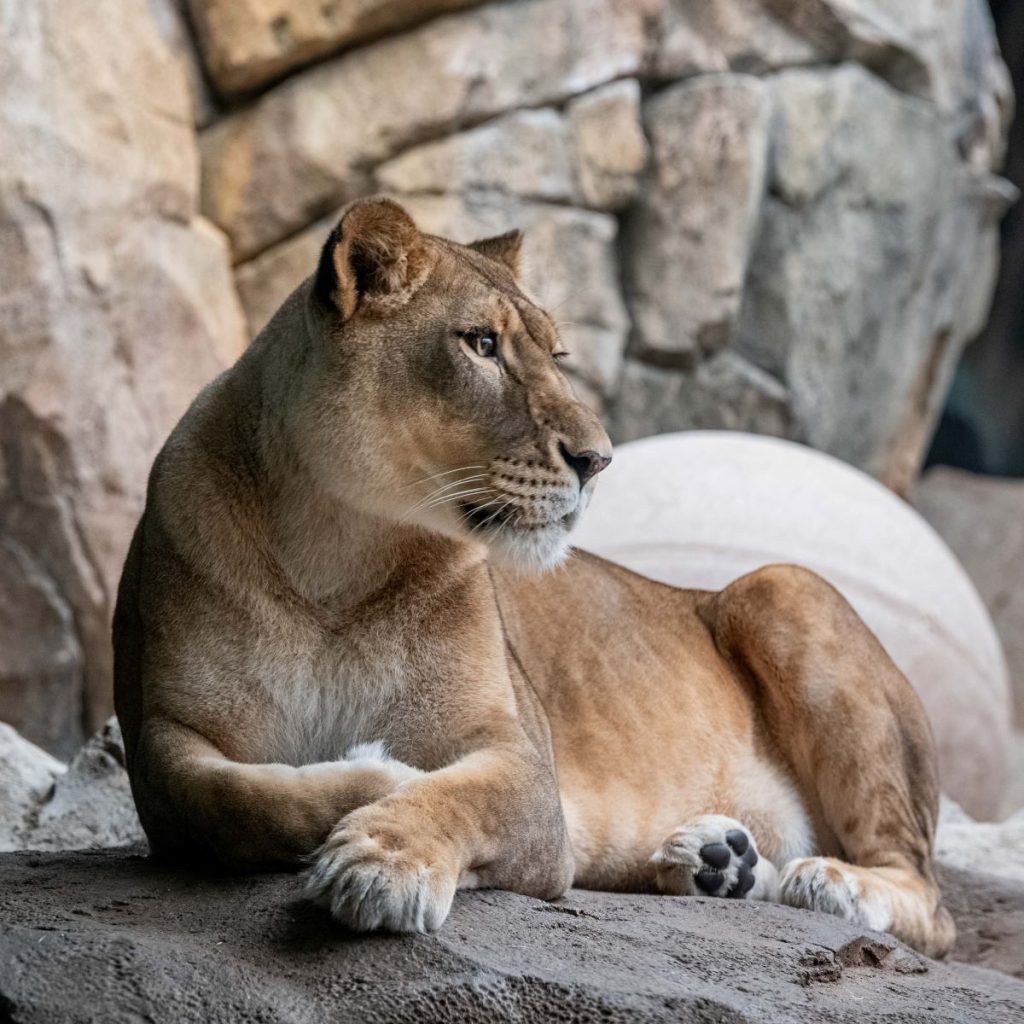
column 368, row 883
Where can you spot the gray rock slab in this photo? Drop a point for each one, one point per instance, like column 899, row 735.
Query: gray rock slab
column 114, row 936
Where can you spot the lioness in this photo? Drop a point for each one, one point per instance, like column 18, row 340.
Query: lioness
column 327, row 652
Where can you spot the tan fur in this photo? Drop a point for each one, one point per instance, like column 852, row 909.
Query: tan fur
column 327, row 651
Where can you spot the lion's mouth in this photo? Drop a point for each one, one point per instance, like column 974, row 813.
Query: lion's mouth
column 486, row 517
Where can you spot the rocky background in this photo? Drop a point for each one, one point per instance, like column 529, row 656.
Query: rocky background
column 770, row 215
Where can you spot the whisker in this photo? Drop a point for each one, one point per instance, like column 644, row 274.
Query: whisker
column 445, row 500
column 496, row 512
column 459, row 494
column 446, row 472
column 438, row 491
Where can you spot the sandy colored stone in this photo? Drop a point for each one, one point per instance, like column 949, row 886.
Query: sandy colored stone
column 306, row 145
column 700, row 509
column 967, row 79
column 873, row 265
column 724, row 392
column 525, row 153
column 943, row 50
column 730, row 35
column 117, row 307
column 171, row 19
column 267, row 280
column 248, row 43
column 689, row 239
column 609, row 146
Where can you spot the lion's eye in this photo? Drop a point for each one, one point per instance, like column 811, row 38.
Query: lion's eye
column 482, row 341
column 485, row 345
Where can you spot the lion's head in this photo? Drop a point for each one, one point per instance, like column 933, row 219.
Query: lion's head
column 433, row 395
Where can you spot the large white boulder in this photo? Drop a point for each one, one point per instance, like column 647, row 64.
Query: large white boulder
column 702, row 508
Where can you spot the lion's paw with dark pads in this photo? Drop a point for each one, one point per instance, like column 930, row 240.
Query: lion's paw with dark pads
column 713, row 856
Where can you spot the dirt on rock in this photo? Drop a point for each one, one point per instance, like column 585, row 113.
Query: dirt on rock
column 114, row 936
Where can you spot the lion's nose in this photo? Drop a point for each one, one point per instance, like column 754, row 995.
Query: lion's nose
column 585, row 464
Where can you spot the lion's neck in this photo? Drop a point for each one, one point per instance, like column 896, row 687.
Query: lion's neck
column 333, row 552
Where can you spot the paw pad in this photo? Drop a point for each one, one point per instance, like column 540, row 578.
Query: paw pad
column 718, row 857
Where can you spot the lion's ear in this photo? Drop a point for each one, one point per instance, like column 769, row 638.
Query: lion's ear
column 375, row 256
column 504, row 248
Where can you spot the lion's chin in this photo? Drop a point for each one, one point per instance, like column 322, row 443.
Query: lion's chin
column 531, row 552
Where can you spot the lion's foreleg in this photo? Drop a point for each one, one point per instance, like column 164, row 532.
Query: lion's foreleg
column 193, row 799
column 492, row 819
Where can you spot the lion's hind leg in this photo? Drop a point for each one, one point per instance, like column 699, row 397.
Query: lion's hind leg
column 714, row 856
column 852, row 732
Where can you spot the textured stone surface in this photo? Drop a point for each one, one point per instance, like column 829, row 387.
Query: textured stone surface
column 861, row 294
column 609, row 146
column 967, row 80
column 171, row 19
column 304, row 146
column 982, row 520
column 46, row 805
column 247, row 43
column 737, row 35
column 701, row 509
column 525, row 154
column 90, row 804
column 724, row 392
column 117, row 306
column 591, row 156
column 27, row 777
column 109, row 936
column 690, row 236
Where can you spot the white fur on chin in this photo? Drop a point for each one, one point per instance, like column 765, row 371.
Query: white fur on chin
column 531, row 552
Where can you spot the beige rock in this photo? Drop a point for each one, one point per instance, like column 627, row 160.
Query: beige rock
column 248, row 43
column 592, row 156
column 724, row 392
column 873, row 33
column 944, row 50
column 609, row 146
column 306, row 145
column 525, row 153
column 569, row 265
column 689, row 241
column 117, row 306
column 172, row 23
column 874, row 264
column 967, row 77
column 264, row 282
column 982, row 520
column 701, row 509
column 730, row 35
